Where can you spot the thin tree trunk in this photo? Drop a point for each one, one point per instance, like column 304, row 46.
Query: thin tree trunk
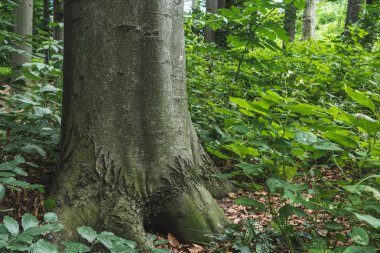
column 130, row 158
column 290, row 21
column 23, row 28
column 195, row 4
column 353, row 12
column 46, row 26
column 211, row 7
column 58, row 18
column 309, row 19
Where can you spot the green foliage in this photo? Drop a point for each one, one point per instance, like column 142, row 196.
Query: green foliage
column 32, row 233
column 292, row 116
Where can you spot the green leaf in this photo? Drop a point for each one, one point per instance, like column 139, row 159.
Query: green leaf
column 11, row 225
column 250, row 169
column 157, row 250
column 76, row 247
column 29, row 74
column 42, row 246
column 306, row 138
column 28, row 221
column 2, row 192
column 245, row 201
column 325, row 145
column 374, row 222
column 217, row 153
column 19, row 159
column 360, row 97
column 334, row 226
column 358, row 189
column 287, row 210
column 359, row 249
column 50, row 217
column 359, row 235
column 341, row 139
column 87, row 233
column 33, row 149
column 49, row 88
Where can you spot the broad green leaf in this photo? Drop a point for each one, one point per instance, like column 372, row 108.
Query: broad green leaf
column 29, row 221
column 358, row 189
column 11, row 225
column 287, row 210
column 42, row 246
column 50, row 217
column 49, row 88
column 374, row 222
column 341, row 139
column 245, row 201
column 76, row 247
column 360, row 97
column 334, row 226
column 34, row 149
column 359, row 235
column 306, row 138
column 325, row 145
column 29, row 74
column 250, row 169
column 19, row 159
column 217, row 153
column 87, row 233
column 360, row 249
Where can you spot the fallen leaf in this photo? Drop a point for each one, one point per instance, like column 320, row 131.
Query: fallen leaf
column 173, row 241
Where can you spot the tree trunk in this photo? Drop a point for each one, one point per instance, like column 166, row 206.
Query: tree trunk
column 58, row 18
column 130, row 158
column 211, row 7
column 290, row 20
column 195, row 4
column 23, row 28
column 353, row 12
column 309, row 18
column 46, row 26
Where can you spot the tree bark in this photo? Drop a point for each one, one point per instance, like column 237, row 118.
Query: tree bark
column 130, row 158
column 211, row 7
column 290, row 18
column 353, row 12
column 23, row 28
column 58, row 18
column 46, row 26
column 309, row 19
column 195, row 4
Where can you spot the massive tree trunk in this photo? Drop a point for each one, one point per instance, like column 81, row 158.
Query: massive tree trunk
column 130, row 159
column 23, row 28
column 290, row 18
column 353, row 12
column 211, row 7
column 309, row 19
column 58, row 18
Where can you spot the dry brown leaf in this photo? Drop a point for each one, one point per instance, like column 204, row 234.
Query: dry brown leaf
column 173, row 241
column 232, row 195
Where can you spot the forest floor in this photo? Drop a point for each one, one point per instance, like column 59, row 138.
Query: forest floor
column 34, row 202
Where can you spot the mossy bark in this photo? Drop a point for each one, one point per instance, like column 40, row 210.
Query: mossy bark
column 130, row 158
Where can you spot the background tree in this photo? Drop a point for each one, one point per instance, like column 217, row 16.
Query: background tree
column 24, row 28
column 308, row 20
column 130, row 157
column 353, row 12
column 290, row 18
column 211, row 7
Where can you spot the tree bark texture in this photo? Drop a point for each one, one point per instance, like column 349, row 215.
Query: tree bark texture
column 309, row 19
column 211, row 7
column 58, row 18
column 290, row 18
column 130, row 158
column 195, row 4
column 24, row 28
column 353, row 11
column 46, row 26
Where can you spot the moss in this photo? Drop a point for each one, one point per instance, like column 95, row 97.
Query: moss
column 193, row 216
